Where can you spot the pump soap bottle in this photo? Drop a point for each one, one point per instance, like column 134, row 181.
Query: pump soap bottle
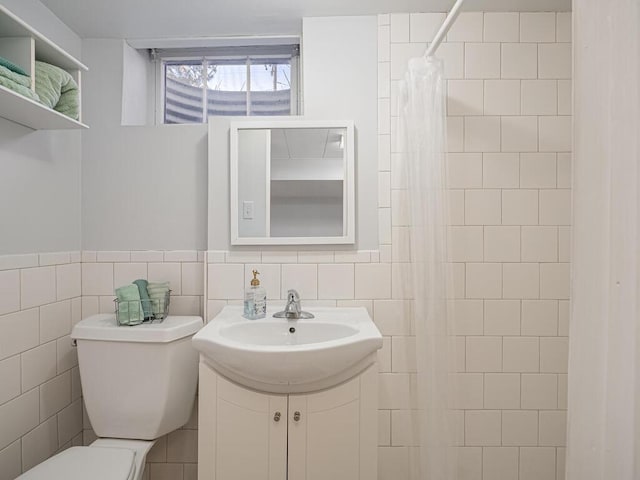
column 255, row 299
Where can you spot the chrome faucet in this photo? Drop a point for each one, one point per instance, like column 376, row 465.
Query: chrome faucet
column 293, row 309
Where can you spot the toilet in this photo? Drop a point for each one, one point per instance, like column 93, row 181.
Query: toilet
column 139, row 383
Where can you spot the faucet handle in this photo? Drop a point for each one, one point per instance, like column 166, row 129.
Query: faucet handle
column 293, row 295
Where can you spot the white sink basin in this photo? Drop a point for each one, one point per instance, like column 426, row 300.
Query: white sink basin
column 283, row 356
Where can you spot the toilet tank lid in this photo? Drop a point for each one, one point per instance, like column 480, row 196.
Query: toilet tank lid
column 103, row 327
column 81, row 463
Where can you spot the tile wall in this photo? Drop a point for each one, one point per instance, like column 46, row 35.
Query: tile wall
column 509, row 142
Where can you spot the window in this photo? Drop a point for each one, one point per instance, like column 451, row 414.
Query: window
column 233, row 81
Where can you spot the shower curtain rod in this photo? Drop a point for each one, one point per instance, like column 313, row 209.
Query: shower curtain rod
column 446, row 25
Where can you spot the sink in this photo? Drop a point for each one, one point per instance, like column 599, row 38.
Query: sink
column 287, row 356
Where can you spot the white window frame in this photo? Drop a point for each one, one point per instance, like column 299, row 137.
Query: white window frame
column 160, row 80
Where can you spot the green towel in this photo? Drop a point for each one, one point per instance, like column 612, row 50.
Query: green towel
column 57, row 89
column 24, row 80
column 130, row 310
column 16, row 87
column 12, row 66
column 157, row 293
column 144, row 297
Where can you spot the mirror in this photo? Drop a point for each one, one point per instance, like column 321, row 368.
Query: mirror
column 292, row 182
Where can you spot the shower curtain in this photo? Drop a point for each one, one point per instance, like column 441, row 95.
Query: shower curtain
column 422, row 143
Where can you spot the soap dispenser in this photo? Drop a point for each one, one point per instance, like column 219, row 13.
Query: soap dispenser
column 255, row 299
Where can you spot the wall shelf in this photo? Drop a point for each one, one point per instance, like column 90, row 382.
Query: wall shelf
column 23, row 45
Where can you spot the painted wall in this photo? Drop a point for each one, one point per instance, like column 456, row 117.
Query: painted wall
column 40, row 183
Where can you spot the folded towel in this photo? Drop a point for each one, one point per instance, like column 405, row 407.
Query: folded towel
column 12, row 66
column 57, row 89
column 16, row 87
column 144, row 297
column 130, row 310
column 157, row 293
column 24, row 80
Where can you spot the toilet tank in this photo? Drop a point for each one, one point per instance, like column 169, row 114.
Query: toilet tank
column 137, row 382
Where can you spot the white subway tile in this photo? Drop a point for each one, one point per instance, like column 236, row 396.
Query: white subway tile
column 539, row 318
column 563, row 27
column 9, row 291
column 88, row 256
column 537, row 463
column 482, row 134
column 553, row 428
column 484, row 354
column 89, row 306
column 19, row 332
column 539, row 391
column 562, row 391
column 40, row 443
column 537, row 170
column 424, row 26
column 519, row 60
column 384, row 226
column 521, row 280
column 70, row 422
column 452, row 54
column 181, row 256
column 501, row 27
column 555, row 207
column 456, row 207
column 303, row 278
column 55, row 395
column 392, row 317
column 482, row 207
column 384, row 153
column 400, row 244
column 393, row 463
column 502, row 97
column 554, row 353
column 336, row 281
column 182, row 446
column 456, row 276
column 353, row 256
column 520, row 354
column 315, row 257
column 455, row 134
column 538, row 27
column 500, row 463
column 281, row 257
column 466, row 244
column 384, row 428
column 393, row 391
column 384, row 39
column 564, row 244
column 539, row 244
column 403, row 354
column 10, row 378
column 519, row 134
column 37, row 286
column 384, row 356
column 464, row 97
column 520, row 428
column 539, row 97
column 18, row 416
column 67, row 354
column 97, row 279
column 166, row 272
column 192, row 278
column 242, row 256
column 68, row 281
column 467, row 316
column 502, row 391
column 482, row 60
column 403, row 431
column 399, row 27
column 554, row 60
column 38, row 365
column 400, row 213
column 225, row 281
column 501, row 244
column 14, row 262
column 466, row 28
column 482, row 427
column 400, row 55
column 126, row 273
column 564, row 97
column 113, row 256
column 469, row 462
column 483, row 280
column 468, row 391
column 520, row 207
column 54, row 258
column 55, row 321
column 401, row 281
column 147, row 256
column 384, row 116
column 214, row 307
column 500, row 170
column 502, row 317
column 186, row 305
column 11, row 461
column 555, row 134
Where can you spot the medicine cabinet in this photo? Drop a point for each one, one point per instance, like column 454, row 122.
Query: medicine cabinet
column 292, row 182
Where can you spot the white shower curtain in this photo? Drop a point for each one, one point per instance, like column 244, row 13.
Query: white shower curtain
column 603, row 441
column 422, row 134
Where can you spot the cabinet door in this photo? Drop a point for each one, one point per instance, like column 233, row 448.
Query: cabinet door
column 242, row 437
column 324, row 434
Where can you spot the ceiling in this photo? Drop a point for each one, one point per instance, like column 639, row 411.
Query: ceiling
column 213, row 18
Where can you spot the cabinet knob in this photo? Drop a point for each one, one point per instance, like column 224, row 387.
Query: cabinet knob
column 296, row 416
column 276, row 417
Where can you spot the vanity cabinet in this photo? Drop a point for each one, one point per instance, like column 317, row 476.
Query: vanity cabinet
column 249, row 435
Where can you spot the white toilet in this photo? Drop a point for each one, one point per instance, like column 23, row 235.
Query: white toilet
column 138, row 383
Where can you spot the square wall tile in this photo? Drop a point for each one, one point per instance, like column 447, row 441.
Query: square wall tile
column 501, row 244
column 502, row 391
column 538, row 170
column 500, row 170
column 167, row 272
column 468, row 391
column 97, row 279
column 482, row 134
column 469, row 463
column 464, row 97
column 521, row 354
column 192, row 278
column 553, row 428
column 519, row 60
column 483, row 280
column 466, row 244
column 68, row 281
column 501, row 27
column 466, row 28
column 537, row 463
column 554, row 280
column 538, row 27
column 9, row 291
column 424, row 26
column 482, row 428
column 519, row 134
column 269, row 276
column 11, row 460
column 500, row 463
column 482, row 60
column 225, row 281
column 554, row 354
column 502, row 317
column 303, row 278
column 453, row 56
column 502, row 97
column 520, row 428
column 38, row 365
column 483, row 354
column 554, row 60
column 399, row 27
column 519, row 207
column 40, row 443
column 18, row 417
column 467, row 316
column 373, row 280
column 482, row 207
column 125, row 273
column 539, row 244
column 521, row 280
column 539, row 97
column 539, row 317
column 539, row 391
column 19, row 332
column 555, row 133
column 55, row 395
column 563, row 27
column 55, row 321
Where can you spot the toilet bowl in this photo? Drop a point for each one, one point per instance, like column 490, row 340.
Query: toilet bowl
column 138, row 384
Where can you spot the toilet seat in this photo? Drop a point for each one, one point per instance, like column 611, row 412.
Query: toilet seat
column 82, row 463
